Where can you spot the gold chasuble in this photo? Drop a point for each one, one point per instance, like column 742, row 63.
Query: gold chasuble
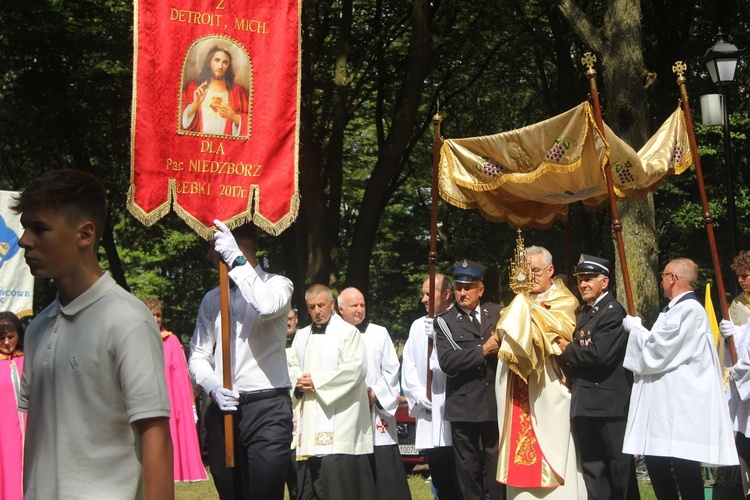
column 533, row 401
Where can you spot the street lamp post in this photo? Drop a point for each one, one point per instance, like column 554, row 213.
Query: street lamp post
column 722, row 60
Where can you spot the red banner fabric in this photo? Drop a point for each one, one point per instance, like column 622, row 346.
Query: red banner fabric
column 216, row 112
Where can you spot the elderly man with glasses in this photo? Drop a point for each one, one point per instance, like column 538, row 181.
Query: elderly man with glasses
column 537, row 454
column 678, row 415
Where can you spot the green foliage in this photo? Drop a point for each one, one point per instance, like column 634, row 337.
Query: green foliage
column 680, row 223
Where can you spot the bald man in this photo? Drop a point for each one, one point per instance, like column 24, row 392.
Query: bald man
column 383, row 391
column 334, row 444
column 427, row 397
column 678, row 416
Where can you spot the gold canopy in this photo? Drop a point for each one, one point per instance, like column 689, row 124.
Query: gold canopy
column 527, row 177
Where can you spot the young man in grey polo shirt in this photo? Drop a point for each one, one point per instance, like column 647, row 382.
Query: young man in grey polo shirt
column 93, row 382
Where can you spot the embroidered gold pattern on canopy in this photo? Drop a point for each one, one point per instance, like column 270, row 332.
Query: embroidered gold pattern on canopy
column 528, row 176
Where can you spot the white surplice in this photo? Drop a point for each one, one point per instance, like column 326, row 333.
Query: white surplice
column 739, row 383
column 739, row 394
column 335, row 419
column 432, row 430
column 678, row 408
column 382, row 378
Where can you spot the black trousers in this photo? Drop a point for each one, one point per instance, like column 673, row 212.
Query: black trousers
column 607, row 471
column 291, row 476
column 687, row 476
column 390, row 477
column 475, row 451
column 335, row 477
column 743, row 449
column 443, row 472
column 263, row 439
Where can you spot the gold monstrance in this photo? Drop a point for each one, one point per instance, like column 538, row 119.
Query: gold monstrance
column 521, row 277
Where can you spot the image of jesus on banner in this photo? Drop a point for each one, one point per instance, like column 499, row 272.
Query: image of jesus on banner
column 214, row 101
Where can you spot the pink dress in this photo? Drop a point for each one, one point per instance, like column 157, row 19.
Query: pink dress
column 188, row 463
column 13, row 424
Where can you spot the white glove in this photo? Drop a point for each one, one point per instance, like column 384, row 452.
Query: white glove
column 429, row 327
column 225, row 399
column 225, row 244
column 631, row 322
column 426, row 404
column 727, row 328
column 195, row 414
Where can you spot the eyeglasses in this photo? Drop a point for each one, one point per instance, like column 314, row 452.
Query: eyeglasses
column 538, row 271
column 664, row 275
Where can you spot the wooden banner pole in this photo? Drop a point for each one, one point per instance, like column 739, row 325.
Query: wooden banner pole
column 226, row 359
column 432, row 258
column 588, row 60
column 679, row 69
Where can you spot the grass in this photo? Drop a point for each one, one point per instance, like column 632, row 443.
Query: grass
column 203, row 490
column 418, row 484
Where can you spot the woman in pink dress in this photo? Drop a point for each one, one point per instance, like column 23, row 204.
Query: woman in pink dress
column 188, row 464
column 13, row 422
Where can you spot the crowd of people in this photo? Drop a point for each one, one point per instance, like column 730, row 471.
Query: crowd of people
column 548, row 397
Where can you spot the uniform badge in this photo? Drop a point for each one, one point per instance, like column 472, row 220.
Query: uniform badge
column 585, row 338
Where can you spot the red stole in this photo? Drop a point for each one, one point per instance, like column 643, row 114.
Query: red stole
column 525, row 461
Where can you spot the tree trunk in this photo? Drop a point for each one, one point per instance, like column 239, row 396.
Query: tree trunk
column 618, row 47
column 311, row 228
column 378, row 188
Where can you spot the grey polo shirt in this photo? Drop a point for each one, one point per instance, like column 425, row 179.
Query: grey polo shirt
column 92, row 368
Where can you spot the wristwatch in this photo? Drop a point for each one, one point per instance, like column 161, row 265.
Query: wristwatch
column 239, row 261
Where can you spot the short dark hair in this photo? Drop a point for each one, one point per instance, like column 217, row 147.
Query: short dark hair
column 76, row 194
column 8, row 318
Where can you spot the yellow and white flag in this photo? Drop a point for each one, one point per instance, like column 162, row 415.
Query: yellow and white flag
column 713, row 323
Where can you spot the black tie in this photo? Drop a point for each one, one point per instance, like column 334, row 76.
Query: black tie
column 475, row 320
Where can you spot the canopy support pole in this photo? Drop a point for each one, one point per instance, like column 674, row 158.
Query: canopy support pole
column 432, row 258
column 679, row 69
column 588, row 60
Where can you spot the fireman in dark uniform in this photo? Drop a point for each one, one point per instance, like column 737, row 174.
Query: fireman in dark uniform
column 467, row 351
column 601, row 386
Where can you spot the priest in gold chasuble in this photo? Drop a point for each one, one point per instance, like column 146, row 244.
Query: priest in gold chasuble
column 536, row 451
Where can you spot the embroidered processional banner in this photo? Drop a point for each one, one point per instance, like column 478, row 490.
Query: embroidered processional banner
column 527, row 177
column 16, row 281
column 215, row 118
